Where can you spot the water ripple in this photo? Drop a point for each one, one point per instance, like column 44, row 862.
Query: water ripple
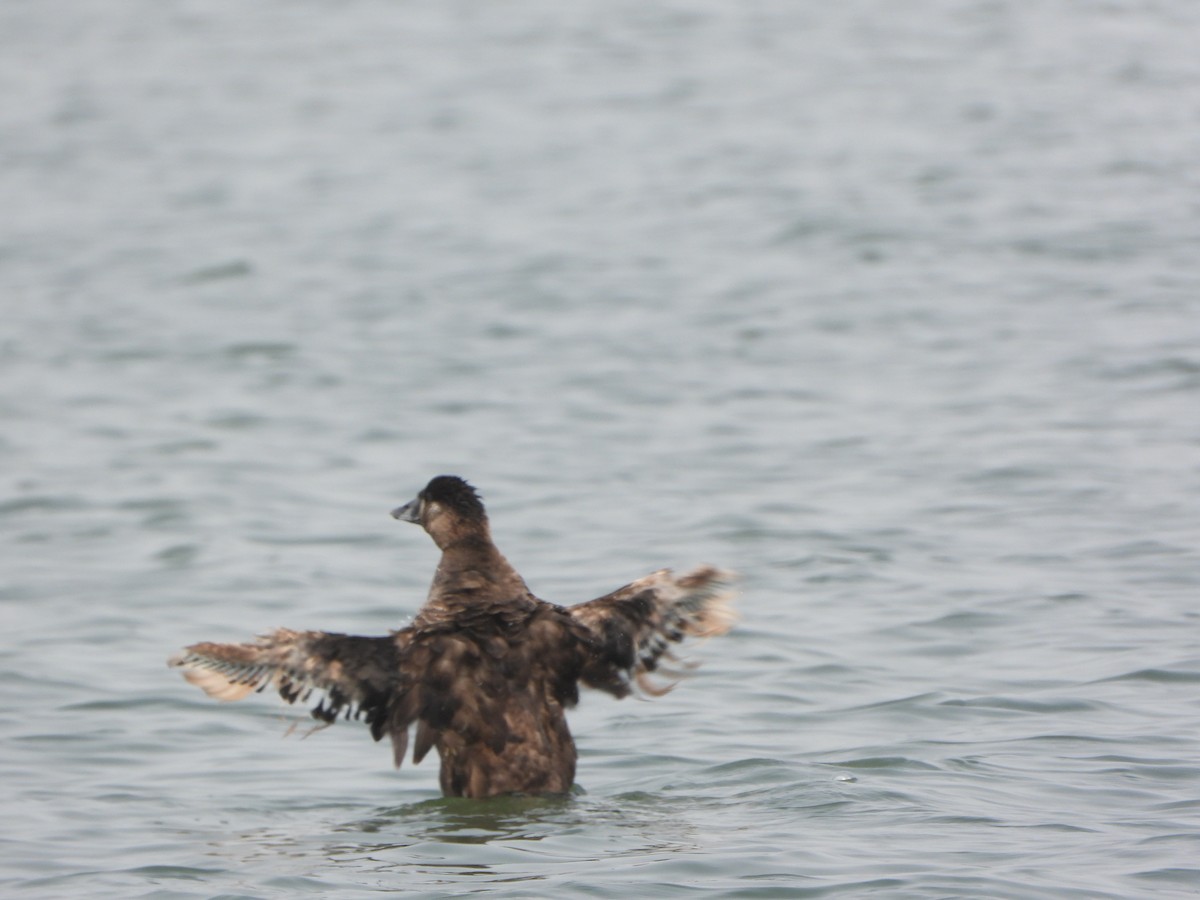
column 892, row 308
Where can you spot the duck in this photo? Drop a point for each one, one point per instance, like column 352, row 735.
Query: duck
column 485, row 672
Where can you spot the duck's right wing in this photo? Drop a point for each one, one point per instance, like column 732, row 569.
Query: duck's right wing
column 361, row 677
column 632, row 627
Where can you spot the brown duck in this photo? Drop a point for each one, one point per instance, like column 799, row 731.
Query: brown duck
column 486, row 669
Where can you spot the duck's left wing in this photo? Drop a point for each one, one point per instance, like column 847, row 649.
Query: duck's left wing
column 632, row 627
column 359, row 676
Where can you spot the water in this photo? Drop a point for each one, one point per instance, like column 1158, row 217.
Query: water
column 893, row 308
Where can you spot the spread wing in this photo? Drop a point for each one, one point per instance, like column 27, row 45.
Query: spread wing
column 359, row 677
column 633, row 627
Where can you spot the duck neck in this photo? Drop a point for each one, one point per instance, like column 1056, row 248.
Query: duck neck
column 471, row 563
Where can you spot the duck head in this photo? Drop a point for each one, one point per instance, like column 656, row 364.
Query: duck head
column 447, row 508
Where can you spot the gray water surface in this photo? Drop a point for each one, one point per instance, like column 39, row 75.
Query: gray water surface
column 894, row 308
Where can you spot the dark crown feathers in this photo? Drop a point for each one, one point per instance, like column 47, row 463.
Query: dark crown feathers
column 454, row 493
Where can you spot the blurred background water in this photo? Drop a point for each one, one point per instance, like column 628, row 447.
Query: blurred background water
column 891, row 307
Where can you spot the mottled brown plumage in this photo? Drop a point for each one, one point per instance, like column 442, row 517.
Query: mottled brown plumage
column 486, row 670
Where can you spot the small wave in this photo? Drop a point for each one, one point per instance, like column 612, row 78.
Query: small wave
column 1188, row 877
column 234, row 268
column 1157, row 676
column 1021, row 705
column 891, row 763
column 40, row 503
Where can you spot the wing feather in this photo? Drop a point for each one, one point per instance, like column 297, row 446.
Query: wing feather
column 634, row 626
column 357, row 676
